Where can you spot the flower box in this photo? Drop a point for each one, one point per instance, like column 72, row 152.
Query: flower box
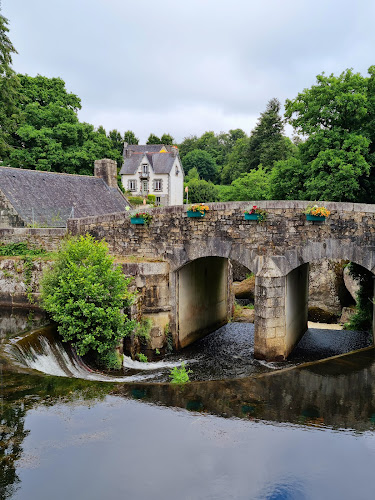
column 137, row 220
column 315, row 218
column 191, row 213
column 252, row 216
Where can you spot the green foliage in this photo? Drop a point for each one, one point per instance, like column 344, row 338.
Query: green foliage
column 146, row 216
column 167, row 139
column 153, row 139
column 192, row 175
column 203, row 162
column 252, row 186
column 287, row 180
column 180, row 375
column 135, row 200
column 236, row 163
column 21, row 248
column 142, row 358
column 337, row 115
column 50, row 137
column 362, row 319
column 85, row 294
column 151, row 198
column 111, row 360
column 130, row 138
column 200, row 190
column 28, row 266
column 9, row 88
column 143, row 329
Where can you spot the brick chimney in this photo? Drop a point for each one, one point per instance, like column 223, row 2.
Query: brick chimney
column 107, row 170
column 174, row 150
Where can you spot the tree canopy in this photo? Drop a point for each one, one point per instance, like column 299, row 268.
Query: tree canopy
column 203, row 162
column 50, row 136
column 9, row 88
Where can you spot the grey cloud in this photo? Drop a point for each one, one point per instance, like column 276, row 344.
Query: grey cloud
column 149, row 59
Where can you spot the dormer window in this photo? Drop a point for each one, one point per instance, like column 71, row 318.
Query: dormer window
column 145, row 168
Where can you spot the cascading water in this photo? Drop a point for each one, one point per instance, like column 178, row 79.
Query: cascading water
column 42, row 350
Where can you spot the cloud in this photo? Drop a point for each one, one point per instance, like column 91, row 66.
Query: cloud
column 187, row 66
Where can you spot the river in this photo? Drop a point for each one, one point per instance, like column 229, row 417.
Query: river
column 242, row 429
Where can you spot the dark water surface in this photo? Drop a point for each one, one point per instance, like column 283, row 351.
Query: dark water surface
column 306, row 432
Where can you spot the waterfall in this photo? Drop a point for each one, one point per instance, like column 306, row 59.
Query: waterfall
column 42, row 350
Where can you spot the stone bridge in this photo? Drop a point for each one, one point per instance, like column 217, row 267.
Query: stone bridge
column 198, row 252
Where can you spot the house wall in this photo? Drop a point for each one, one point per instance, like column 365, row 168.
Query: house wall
column 172, row 185
column 176, row 196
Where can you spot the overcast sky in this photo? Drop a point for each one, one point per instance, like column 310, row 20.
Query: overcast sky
column 185, row 67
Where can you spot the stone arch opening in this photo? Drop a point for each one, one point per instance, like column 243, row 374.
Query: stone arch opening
column 298, row 288
column 204, row 297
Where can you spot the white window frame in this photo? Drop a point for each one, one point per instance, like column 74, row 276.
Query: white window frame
column 158, row 185
column 132, row 185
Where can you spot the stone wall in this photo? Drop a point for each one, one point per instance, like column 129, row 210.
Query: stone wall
column 271, row 250
column 47, row 238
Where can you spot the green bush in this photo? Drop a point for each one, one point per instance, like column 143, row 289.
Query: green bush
column 142, row 358
column 180, row 375
column 21, row 248
column 135, row 200
column 112, row 360
column 85, row 294
column 151, row 198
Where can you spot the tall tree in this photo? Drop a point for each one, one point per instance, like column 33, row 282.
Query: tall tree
column 266, row 143
column 167, row 139
column 337, row 115
column 130, row 137
column 9, row 87
column 153, row 139
column 50, row 136
column 203, row 162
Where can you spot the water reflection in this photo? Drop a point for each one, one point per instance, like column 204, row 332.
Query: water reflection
column 338, row 393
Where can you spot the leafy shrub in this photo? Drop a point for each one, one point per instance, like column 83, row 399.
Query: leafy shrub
column 142, row 357
column 143, row 329
column 85, row 294
column 21, row 248
column 180, row 375
column 151, row 198
column 112, row 360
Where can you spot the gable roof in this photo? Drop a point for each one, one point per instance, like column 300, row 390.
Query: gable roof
column 147, row 148
column 161, row 163
column 47, row 198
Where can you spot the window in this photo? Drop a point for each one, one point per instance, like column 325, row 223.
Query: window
column 158, row 185
column 145, row 168
column 158, row 200
column 132, row 185
column 177, row 170
column 144, row 187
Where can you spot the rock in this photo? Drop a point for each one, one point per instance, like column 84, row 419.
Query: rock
column 327, row 291
column 245, row 316
column 352, row 285
column 239, row 271
column 347, row 313
column 244, row 289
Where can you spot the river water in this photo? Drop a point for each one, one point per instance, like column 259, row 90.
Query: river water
column 240, row 430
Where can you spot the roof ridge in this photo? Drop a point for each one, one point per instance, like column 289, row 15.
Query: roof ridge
column 18, row 169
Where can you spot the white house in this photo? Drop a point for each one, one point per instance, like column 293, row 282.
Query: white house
column 153, row 169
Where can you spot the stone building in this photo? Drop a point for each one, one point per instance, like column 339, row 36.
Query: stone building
column 153, row 169
column 47, row 199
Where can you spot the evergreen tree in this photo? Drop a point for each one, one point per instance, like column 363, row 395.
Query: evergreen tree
column 9, row 87
column 266, row 143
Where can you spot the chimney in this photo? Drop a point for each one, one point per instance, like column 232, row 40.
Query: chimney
column 174, row 151
column 107, row 170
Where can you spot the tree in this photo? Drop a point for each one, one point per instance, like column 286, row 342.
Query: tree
column 9, row 87
column 266, row 144
column 202, row 191
column 337, row 116
column 130, row 138
column 50, row 136
column 236, row 161
column 166, row 139
column 251, row 186
column 85, row 293
column 287, row 180
column 153, row 139
column 203, row 162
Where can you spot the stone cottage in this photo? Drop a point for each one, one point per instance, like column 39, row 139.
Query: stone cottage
column 47, row 199
column 153, row 169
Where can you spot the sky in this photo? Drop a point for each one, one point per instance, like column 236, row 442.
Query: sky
column 186, row 67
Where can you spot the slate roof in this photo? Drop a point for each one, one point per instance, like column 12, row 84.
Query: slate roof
column 161, row 163
column 147, row 148
column 47, row 198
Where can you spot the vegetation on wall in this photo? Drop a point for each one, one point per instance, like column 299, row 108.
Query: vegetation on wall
column 85, row 294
